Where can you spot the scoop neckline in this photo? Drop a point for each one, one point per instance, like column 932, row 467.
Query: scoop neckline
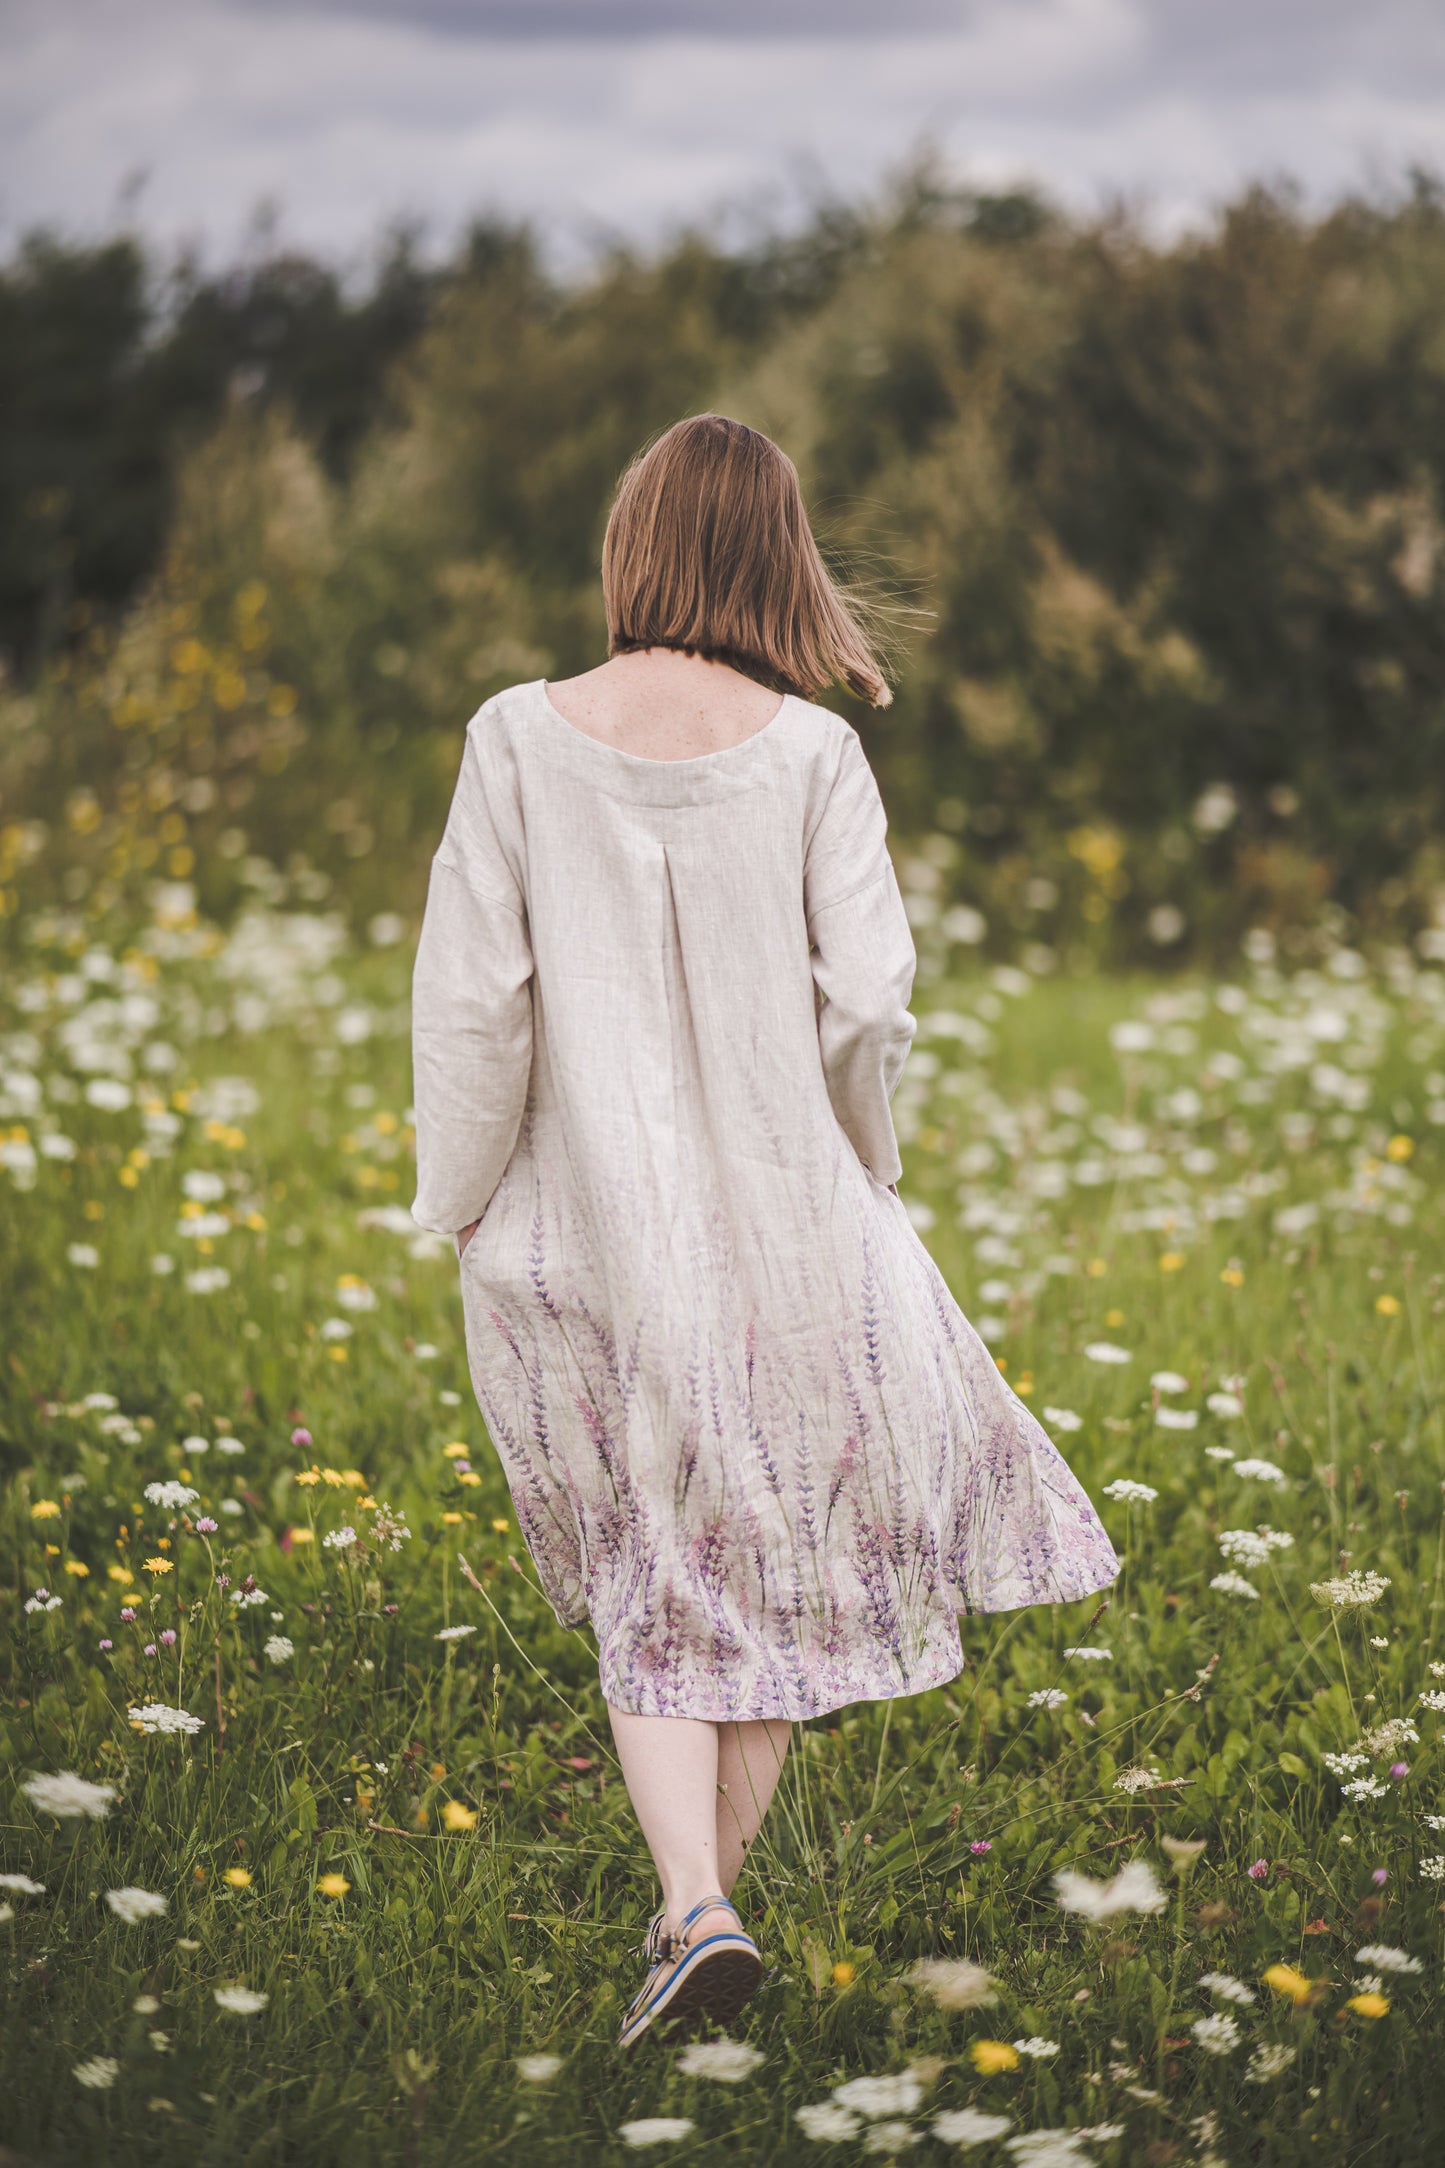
column 646, row 760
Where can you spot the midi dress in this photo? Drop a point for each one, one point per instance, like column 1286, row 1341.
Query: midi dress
column 659, row 1010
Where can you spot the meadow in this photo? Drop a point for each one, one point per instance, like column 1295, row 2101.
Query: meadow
column 314, row 1847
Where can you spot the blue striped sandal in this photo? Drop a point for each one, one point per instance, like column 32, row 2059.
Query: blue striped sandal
column 709, row 1982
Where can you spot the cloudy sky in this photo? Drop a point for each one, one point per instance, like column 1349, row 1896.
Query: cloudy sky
column 607, row 117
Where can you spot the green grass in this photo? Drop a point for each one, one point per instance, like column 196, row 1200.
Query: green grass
column 396, row 2012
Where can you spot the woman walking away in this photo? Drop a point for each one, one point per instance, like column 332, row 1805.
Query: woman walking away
column 661, row 1004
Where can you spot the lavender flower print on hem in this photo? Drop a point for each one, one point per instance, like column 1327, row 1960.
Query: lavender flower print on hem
column 750, row 1437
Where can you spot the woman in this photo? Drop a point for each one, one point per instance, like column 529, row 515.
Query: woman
column 660, row 1007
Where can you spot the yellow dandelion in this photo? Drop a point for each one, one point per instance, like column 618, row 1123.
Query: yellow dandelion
column 45, row 1509
column 354, row 1477
column 256, row 1221
column 501, row 1524
column 844, row 1974
column 1096, row 1268
column 1369, row 2004
column 119, row 1573
column 1114, row 1318
column 450, row 1520
column 1388, row 1305
column 1172, row 1261
column 364, row 1504
column 333, row 1885
column 1025, row 1384
column 303, row 1535
column 456, row 1816
column 238, row 1877
column 159, row 1565
column 1399, row 1148
column 1233, row 1276
column 1286, row 1980
column 307, row 1477
column 350, row 1279
column 457, row 1450
column 337, row 1355
column 78, row 1567
column 988, row 2056
column 469, row 1478
column 333, row 1478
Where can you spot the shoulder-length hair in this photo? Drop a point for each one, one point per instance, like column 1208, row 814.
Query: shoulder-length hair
column 708, row 549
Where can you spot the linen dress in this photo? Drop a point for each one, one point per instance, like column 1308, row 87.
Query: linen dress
column 659, row 1008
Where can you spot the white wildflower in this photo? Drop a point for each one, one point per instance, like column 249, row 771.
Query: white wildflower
column 1270, row 2060
column 726, row 2060
column 1365, row 1788
column 1344, row 1765
column 1049, row 2149
column 954, row 1983
column 337, row 1328
column 898, row 2094
column 153, row 1716
column 824, row 2121
column 455, row 1633
column 99, row 2074
column 22, row 1885
column 208, row 1280
column 69, row 1796
column 1217, row 1452
column 1129, row 1492
column 1433, row 1869
column 1063, row 1419
column 340, row 1539
column 1234, row 1584
column 1387, row 1959
column 1104, row 1351
column 83, row 1254
column 279, row 1648
column 240, row 2001
column 132, row 1905
column 1135, row 1888
column 966, row 2126
column 890, row 2137
column 1388, row 1737
column 1037, row 2049
column 195, row 1444
column 1262, row 1471
column 1091, row 1656
column 1168, row 1381
column 1350, row 1593
column 174, row 1496
column 655, row 2130
column 1136, row 1780
column 389, row 1529
column 1218, row 2033
column 1177, row 1418
column 538, row 2069
column 204, row 1187
column 1226, row 1987
column 1048, row 1697
column 1225, row 1404
column 1432, row 1698
column 250, row 1599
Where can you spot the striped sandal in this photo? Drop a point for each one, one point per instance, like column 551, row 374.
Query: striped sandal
column 709, row 1982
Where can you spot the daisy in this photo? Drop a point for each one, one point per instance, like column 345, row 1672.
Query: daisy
column 132, row 1905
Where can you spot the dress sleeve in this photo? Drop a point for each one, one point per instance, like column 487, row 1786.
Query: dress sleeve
column 471, row 1014
column 863, row 961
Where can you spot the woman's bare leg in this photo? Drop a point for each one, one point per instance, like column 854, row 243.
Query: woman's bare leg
column 670, row 1764
column 750, row 1761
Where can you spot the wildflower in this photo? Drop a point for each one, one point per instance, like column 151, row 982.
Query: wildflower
column 844, row 1974
column 205, row 1526
column 965, row 2126
column 1233, row 1276
column 824, row 2121
column 981, row 1844
column 1226, row 1987
column 953, row 1982
column 249, row 1598
column 279, row 1649
column 1048, row 2149
column 1270, row 2060
column 1234, row 1584
column 1355, row 1590
column 83, row 1254
column 1388, row 1305
column 168, row 1638
column 240, row 2001
column 158, row 1566
column 990, row 2056
column 1169, row 1381
column 389, row 1528
column 1136, row 1780
column 42, row 1600
column 1432, row 1698
column 1047, row 1697
column 1104, row 1351
column 456, row 1816
column 1258, row 1871
column 68, row 1796
column 174, row 1496
column 145, row 2005
column 455, row 1633
column 1135, row 1888
column 132, row 1905
column 890, row 2138
column 537, row 2069
column 655, row 2130
column 1177, row 1418
column 24, row 1887
column 153, row 1716
column 1131, row 1493
column 1365, row 1788
column 898, row 2094
column 725, row 2060
column 1433, row 1869
column 1287, row 1980
column 1368, row 2005
column 333, row 1885
column 1252, row 1546
column 1037, row 2050
column 45, row 1509
column 1262, row 1471
column 340, row 1539
column 78, row 1567
column 1218, row 2033
column 99, row 2074
column 1224, row 1404
column 457, row 1450
column 1386, row 1959
column 1091, row 1656
column 1063, row 1419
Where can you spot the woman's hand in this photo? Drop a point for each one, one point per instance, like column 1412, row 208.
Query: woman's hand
column 464, row 1236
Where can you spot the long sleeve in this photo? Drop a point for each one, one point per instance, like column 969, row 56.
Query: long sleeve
column 863, row 961
column 471, row 1014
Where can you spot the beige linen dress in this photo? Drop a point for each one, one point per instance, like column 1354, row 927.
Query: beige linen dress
column 659, row 1011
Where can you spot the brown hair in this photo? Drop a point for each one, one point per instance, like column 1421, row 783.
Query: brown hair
column 708, row 549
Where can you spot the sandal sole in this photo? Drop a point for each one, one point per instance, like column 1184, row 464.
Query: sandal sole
column 713, row 1992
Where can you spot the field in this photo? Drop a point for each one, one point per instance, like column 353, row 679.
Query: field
column 392, row 1892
